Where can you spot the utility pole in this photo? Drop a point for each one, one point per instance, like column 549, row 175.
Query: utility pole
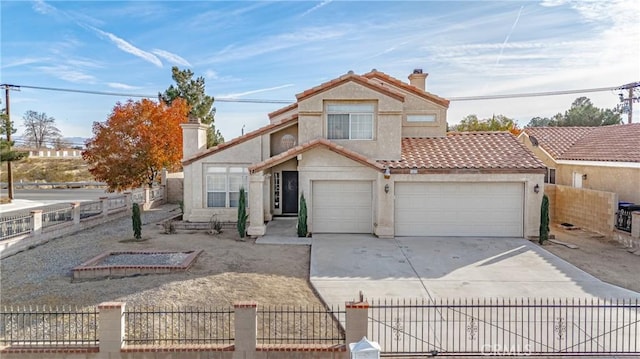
column 627, row 103
column 8, row 128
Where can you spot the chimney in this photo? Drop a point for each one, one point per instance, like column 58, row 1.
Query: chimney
column 194, row 137
column 418, row 79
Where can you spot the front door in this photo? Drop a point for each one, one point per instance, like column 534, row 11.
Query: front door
column 289, row 192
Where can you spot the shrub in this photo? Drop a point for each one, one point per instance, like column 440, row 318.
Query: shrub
column 137, row 222
column 242, row 213
column 544, row 220
column 302, row 217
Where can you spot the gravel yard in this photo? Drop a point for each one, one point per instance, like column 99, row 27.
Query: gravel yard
column 227, row 271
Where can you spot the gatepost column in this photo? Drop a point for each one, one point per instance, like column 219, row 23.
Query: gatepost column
column 357, row 321
column 111, row 329
column 245, row 330
column 256, row 210
column 75, row 210
column 36, row 221
column 104, row 206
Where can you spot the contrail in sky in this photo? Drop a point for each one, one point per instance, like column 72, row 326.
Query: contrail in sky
column 515, row 23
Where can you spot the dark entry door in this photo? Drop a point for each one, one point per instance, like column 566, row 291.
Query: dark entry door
column 289, row 192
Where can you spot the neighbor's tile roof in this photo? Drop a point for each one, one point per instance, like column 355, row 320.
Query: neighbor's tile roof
column 557, row 140
column 253, row 134
column 320, row 142
column 494, row 151
column 407, row 87
column 615, row 143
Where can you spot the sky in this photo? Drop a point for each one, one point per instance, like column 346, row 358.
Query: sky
column 273, row 50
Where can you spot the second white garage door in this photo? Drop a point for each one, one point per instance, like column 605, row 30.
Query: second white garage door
column 342, row 207
column 459, row 209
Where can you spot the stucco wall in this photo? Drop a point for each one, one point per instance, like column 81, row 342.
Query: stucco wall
column 175, row 187
column 276, row 144
column 623, row 181
column 241, row 155
column 590, row 209
column 387, row 123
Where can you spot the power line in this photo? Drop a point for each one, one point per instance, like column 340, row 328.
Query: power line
column 120, row 94
column 452, row 99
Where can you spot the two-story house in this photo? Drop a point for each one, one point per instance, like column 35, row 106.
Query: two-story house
column 371, row 154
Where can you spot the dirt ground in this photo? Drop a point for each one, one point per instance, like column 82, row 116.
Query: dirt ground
column 599, row 256
column 228, row 271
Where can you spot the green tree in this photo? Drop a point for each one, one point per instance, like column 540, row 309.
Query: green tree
column 40, row 129
column 137, row 222
column 201, row 105
column 302, row 217
column 544, row 220
column 581, row 113
column 6, row 153
column 242, row 213
column 496, row 123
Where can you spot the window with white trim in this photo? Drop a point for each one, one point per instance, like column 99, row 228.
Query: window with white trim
column 550, row 176
column 350, row 121
column 223, row 186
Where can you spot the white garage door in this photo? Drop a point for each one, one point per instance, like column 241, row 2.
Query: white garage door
column 342, row 207
column 459, row 209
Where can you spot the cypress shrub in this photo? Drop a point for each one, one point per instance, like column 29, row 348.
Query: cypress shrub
column 137, row 222
column 544, row 220
column 242, row 213
column 302, row 217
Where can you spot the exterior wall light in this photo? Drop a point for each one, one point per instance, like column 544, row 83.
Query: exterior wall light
column 536, row 189
column 386, row 188
column 387, row 173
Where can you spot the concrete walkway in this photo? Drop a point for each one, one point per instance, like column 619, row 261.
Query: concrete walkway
column 282, row 230
column 429, row 268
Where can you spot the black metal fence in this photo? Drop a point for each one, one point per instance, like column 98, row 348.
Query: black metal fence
column 60, row 326
column 623, row 216
column 57, row 215
column 15, row 225
column 506, row 327
column 300, row 325
column 165, row 326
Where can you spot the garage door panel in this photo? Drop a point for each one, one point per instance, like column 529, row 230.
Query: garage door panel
column 459, row 209
column 342, row 207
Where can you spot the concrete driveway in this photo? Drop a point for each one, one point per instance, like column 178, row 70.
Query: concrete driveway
column 446, row 267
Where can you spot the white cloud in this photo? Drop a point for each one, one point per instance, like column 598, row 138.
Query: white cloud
column 129, row 48
column 321, row 4
column 240, row 94
column 68, row 73
column 43, row 8
column 25, row 61
column 173, row 58
column 211, row 75
column 118, row 85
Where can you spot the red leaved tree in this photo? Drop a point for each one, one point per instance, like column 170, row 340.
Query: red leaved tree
column 137, row 140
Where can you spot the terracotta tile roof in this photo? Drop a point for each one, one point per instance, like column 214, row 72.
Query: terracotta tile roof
column 253, row 134
column 320, row 142
column 283, row 110
column 556, row 140
column 407, row 87
column 617, row 143
column 476, row 151
column 350, row 76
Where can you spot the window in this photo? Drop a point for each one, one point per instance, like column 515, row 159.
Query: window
column 550, row 176
column 223, row 186
column 421, row 118
column 350, row 121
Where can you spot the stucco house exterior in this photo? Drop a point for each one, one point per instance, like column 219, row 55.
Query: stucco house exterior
column 371, row 154
column 603, row 158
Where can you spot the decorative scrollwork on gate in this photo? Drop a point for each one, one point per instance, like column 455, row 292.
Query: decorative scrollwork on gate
column 560, row 328
column 472, row 329
column 397, row 329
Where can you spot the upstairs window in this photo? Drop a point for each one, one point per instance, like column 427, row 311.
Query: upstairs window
column 429, row 118
column 350, row 121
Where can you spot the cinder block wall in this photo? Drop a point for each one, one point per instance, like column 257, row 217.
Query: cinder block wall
column 586, row 208
column 550, row 191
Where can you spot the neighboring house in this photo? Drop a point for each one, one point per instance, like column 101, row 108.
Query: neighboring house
column 371, row 154
column 63, row 153
column 600, row 158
